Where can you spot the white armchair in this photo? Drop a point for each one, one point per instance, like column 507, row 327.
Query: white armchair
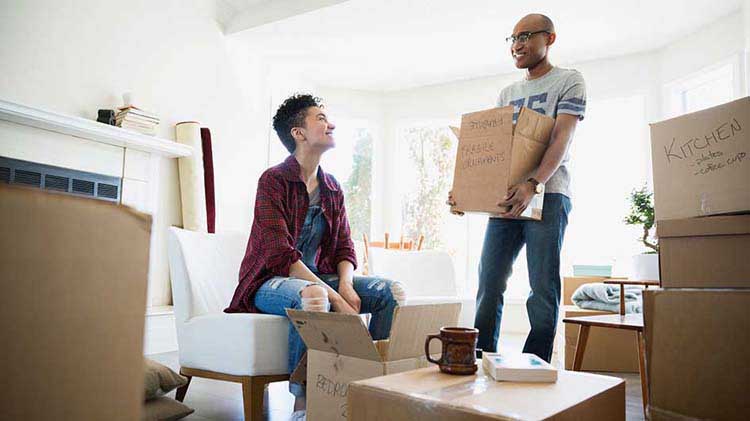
column 428, row 277
column 250, row 349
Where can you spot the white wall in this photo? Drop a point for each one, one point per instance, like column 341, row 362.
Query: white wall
column 76, row 57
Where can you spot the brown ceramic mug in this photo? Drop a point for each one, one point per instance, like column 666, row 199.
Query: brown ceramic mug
column 459, row 350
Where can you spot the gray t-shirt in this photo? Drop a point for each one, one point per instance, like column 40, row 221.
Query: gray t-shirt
column 560, row 91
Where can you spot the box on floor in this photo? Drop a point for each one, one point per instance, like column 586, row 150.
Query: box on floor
column 340, row 350
column 612, row 350
column 494, row 154
column 73, row 284
column 701, row 162
column 696, row 353
column 428, row 394
column 707, row 252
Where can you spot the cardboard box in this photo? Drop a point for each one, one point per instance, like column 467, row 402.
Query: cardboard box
column 709, row 252
column 340, row 350
column 696, row 353
column 428, row 394
column 73, row 291
column 493, row 155
column 701, row 162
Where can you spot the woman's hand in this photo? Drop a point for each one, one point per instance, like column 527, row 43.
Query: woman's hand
column 339, row 304
column 347, row 292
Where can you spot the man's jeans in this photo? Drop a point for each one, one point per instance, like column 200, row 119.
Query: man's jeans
column 502, row 243
column 279, row 293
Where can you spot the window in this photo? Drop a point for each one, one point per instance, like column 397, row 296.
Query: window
column 610, row 156
column 709, row 87
column 350, row 162
column 429, row 155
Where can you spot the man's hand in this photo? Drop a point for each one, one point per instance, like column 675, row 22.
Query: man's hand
column 347, row 292
column 518, row 198
column 452, row 202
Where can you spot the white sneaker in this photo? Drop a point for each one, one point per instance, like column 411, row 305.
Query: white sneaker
column 298, row 416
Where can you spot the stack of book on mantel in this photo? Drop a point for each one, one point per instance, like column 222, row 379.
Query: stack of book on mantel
column 133, row 118
column 518, row 368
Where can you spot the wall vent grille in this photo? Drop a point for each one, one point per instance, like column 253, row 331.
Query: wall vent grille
column 48, row 177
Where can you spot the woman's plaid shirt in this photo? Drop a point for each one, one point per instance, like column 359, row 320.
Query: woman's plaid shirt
column 280, row 206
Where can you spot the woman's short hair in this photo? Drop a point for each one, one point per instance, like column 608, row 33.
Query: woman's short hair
column 292, row 114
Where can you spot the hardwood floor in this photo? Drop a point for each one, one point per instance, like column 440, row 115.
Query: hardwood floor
column 222, row 401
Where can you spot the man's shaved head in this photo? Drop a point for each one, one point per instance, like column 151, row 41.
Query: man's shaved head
column 539, row 36
column 539, row 21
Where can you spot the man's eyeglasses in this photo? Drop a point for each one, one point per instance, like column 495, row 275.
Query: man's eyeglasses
column 524, row 37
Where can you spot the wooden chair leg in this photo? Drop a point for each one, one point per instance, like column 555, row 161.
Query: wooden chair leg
column 252, row 398
column 182, row 390
column 583, row 336
column 642, row 371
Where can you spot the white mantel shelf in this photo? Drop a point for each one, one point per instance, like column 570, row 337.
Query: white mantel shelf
column 91, row 130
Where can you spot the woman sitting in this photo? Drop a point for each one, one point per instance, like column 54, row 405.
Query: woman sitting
column 300, row 253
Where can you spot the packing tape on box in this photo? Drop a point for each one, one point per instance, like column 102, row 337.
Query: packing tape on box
column 449, row 393
column 192, row 184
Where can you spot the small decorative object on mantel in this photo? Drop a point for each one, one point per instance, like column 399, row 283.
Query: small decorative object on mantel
column 646, row 265
column 106, row 117
column 134, row 118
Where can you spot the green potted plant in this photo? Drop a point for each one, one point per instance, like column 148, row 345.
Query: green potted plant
column 646, row 264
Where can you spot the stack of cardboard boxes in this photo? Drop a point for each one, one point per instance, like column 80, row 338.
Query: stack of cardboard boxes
column 698, row 325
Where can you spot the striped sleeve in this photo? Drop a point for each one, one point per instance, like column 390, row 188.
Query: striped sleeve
column 573, row 97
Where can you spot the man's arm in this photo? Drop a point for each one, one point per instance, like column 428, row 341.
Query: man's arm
column 519, row 196
column 560, row 140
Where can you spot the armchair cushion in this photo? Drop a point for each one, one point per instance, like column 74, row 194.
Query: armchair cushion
column 241, row 344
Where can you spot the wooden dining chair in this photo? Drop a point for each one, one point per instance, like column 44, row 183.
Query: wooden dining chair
column 402, row 244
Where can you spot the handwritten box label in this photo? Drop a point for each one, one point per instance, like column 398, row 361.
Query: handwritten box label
column 701, row 162
column 494, row 154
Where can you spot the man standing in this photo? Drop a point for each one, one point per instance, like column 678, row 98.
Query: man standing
column 561, row 94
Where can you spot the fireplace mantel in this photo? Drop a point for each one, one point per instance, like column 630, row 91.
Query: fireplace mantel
column 33, row 134
column 90, row 130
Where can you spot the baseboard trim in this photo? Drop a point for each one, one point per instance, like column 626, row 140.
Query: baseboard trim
column 160, row 334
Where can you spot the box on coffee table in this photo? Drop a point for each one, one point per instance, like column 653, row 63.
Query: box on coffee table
column 428, row 394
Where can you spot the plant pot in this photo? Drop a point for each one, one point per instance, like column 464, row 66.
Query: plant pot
column 645, row 267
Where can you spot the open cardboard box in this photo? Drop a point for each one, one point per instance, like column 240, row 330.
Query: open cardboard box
column 495, row 154
column 341, row 350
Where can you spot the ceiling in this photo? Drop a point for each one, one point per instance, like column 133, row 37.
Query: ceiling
column 397, row 44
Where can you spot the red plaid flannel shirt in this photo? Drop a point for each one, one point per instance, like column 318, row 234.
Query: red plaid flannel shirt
column 280, row 206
